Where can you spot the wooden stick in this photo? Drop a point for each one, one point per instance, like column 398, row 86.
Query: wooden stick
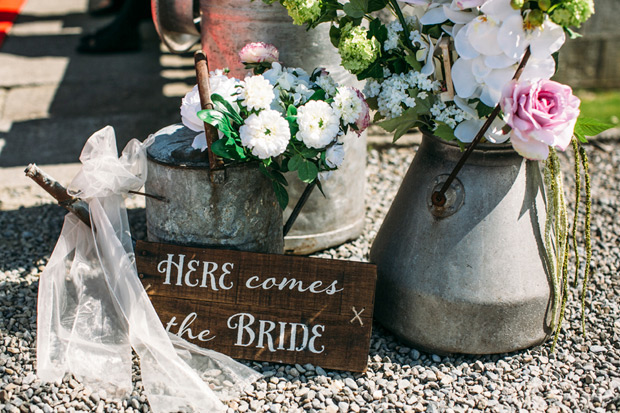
column 59, row 192
column 444, row 44
column 204, row 92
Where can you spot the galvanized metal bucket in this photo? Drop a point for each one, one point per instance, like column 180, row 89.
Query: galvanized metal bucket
column 229, row 25
column 469, row 277
column 239, row 211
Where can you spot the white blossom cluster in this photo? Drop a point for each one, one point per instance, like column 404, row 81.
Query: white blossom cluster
column 266, row 98
column 289, row 82
column 327, row 83
column 393, row 28
column 449, row 114
column 393, row 93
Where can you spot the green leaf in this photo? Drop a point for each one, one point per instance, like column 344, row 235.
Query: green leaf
column 225, row 106
column 401, row 124
column 374, row 70
column 334, row 35
column 226, row 150
column 295, row 162
column 281, row 194
column 589, row 127
column 572, row 34
column 309, row 152
column 376, row 5
column 218, row 119
column 413, row 62
column 378, row 30
column 482, row 109
column 444, row 132
column 274, row 175
column 391, row 125
column 356, row 8
column 291, row 111
column 317, row 95
column 307, row 171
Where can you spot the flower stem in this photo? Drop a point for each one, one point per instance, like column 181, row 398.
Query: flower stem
column 576, row 148
column 299, row 205
column 588, row 201
column 403, row 22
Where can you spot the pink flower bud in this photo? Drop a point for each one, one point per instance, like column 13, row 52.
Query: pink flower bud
column 259, row 52
column 363, row 119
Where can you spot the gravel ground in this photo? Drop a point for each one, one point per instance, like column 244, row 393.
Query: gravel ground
column 582, row 375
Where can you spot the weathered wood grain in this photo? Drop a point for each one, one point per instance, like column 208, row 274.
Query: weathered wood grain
column 265, row 307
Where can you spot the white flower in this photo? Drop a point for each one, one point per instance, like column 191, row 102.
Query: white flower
column 318, row 124
column 490, row 47
column 200, row 142
column 266, row 134
column 190, row 106
column 257, row 93
column 334, row 155
column 347, row 104
column 327, row 83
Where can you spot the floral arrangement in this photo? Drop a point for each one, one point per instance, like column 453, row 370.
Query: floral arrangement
column 471, row 71
column 283, row 118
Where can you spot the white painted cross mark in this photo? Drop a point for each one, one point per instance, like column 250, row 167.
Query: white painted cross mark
column 357, row 316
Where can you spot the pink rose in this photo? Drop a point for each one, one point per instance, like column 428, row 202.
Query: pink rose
column 542, row 113
column 363, row 120
column 259, row 52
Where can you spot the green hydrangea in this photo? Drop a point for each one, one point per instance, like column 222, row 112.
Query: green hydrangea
column 303, row 11
column 572, row 12
column 356, row 50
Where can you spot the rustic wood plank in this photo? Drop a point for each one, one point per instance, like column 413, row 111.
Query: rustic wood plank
column 263, row 307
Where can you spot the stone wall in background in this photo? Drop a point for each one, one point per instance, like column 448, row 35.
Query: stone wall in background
column 593, row 61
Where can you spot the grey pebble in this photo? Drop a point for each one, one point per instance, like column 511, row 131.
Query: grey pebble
column 581, row 375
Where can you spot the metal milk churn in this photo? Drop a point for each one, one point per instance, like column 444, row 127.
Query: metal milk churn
column 239, row 211
column 227, row 26
column 469, row 277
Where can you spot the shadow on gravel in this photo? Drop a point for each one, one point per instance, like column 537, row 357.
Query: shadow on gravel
column 28, row 236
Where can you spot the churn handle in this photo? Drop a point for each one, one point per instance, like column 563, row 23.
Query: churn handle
column 204, row 92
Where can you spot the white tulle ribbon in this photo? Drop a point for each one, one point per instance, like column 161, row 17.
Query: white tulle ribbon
column 92, row 308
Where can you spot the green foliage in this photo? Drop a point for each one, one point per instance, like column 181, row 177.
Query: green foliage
column 219, row 120
column 444, row 131
column 307, row 171
column 589, row 127
column 356, row 8
column 401, row 124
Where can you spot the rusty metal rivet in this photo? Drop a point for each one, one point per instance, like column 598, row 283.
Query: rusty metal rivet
column 438, row 199
column 141, row 275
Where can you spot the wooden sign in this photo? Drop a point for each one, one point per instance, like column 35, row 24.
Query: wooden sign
column 266, row 307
